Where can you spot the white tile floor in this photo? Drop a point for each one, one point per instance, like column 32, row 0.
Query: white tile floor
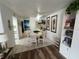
column 25, row 44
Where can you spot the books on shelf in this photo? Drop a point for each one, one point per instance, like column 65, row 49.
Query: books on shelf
column 67, row 41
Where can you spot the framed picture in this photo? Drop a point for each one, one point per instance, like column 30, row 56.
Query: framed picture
column 48, row 23
column 9, row 24
column 54, row 23
column 26, row 25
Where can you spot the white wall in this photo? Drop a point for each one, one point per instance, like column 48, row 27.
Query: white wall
column 1, row 23
column 15, row 27
column 74, row 53
column 7, row 15
column 32, row 23
column 60, row 14
column 20, row 27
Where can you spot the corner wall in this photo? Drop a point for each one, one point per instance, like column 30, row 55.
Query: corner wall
column 60, row 14
column 6, row 14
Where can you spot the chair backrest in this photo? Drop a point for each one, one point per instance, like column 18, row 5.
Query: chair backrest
column 33, row 37
column 44, row 34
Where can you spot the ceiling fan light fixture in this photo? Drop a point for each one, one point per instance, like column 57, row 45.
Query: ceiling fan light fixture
column 38, row 17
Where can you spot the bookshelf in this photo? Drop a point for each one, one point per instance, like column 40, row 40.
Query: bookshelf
column 67, row 33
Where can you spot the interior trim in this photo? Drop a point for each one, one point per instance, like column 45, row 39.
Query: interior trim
column 2, row 33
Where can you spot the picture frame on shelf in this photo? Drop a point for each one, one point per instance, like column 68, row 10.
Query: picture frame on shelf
column 48, row 23
column 69, row 21
column 54, row 23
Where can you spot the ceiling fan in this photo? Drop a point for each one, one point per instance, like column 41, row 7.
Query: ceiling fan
column 42, row 12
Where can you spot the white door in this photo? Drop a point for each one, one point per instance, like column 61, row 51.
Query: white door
column 15, row 28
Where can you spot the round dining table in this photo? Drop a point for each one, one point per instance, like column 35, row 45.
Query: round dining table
column 38, row 34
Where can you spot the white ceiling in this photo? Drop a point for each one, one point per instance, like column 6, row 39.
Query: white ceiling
column 31, row 7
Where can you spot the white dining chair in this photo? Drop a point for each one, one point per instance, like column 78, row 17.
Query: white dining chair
column 33, row 39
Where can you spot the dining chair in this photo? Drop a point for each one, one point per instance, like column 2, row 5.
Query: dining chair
column 33, row 39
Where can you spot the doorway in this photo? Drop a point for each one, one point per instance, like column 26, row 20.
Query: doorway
column 15, row 28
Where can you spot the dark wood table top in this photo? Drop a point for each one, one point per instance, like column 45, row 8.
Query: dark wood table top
column 36, row 31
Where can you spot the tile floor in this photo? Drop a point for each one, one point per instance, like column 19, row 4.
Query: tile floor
column 25, row 44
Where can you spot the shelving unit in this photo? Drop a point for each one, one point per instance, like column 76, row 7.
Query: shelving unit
column 67, row 34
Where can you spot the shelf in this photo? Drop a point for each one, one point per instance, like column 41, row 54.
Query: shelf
column 69, row 29
column 65, row 44
column 68, row 37
column 67, row 41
